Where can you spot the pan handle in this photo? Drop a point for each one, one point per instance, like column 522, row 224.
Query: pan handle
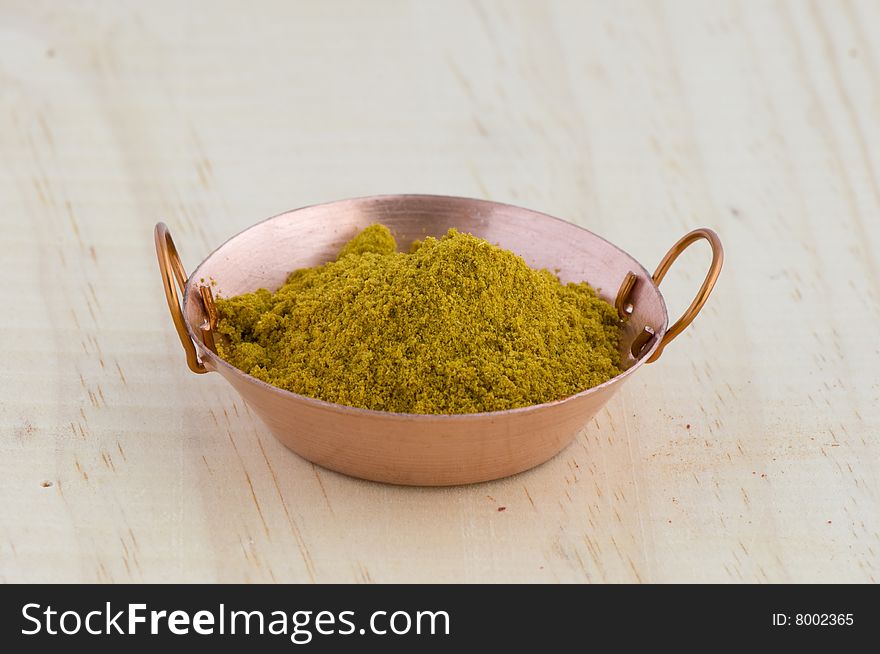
column 703, row 294
column 174, row 275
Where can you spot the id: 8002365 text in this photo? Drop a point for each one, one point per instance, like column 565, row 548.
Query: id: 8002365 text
column 812, row 619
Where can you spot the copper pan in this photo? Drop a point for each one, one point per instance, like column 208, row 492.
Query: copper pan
column 428, row 450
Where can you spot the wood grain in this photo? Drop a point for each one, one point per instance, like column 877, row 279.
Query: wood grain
column 749, row 452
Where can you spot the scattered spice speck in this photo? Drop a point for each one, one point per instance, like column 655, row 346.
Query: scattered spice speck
column 502, row 508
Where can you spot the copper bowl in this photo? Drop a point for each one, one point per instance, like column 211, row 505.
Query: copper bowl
column 417, row 449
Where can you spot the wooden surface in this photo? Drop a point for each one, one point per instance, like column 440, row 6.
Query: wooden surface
column 749, row 452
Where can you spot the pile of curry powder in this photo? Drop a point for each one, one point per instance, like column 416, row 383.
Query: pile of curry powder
column 456, row 325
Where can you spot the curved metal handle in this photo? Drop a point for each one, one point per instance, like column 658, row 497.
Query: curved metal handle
column 173, row 275
column 708, row 284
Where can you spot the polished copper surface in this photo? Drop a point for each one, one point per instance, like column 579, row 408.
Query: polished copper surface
column 433, row 450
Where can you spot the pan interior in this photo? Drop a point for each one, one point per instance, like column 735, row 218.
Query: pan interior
column 263, row 255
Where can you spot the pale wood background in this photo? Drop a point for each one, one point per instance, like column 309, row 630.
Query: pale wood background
column 749, row 452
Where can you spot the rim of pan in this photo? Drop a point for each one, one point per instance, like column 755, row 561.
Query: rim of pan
column 218, row 362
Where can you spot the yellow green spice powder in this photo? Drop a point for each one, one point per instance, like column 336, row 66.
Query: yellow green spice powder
column 457, row 325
